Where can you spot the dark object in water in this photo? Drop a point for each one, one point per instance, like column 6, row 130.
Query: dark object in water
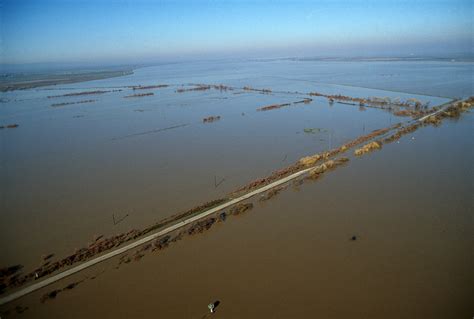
column 49, row 256
column 201, row 226
column 149, row 132
column 2, row 287
column 50, row 295
column 53, row 294
column 354, row 238
column 305, row 101
column 222, row 216
column 211, row 119
column 9, row 126
column 347, row 103
column 8, row 271
column 164, row 240
column 118, row 220
column 71, row 286
column 138, row 256
column 20, row 309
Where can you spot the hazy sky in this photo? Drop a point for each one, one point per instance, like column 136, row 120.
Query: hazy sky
column 135, row 31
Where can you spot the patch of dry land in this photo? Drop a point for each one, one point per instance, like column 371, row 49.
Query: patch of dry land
column 24, row 82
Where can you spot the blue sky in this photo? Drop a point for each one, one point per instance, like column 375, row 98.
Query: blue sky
column 136, row 31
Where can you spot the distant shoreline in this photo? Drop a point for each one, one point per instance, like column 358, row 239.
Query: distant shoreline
column 55, row 79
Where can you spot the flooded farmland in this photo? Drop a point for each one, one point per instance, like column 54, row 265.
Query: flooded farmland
column 100, row 158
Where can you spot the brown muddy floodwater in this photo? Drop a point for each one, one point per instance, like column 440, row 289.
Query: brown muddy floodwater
column 388, row 235
column 293, row 256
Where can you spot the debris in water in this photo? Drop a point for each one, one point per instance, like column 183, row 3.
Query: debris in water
column 138, row 256
column 297, row 183
column 46, row 257
column 50, row 295
column 305, row 101
column 71, row 286
column 217, row 184
column 161, row 243
column 97, row 237
column 53, row 294
column 9, row 126
column 222, row 216
column 20, row 309
column 314, row 130
column 346, row 103
column 211, row 307
column 118, row 221
column 211, row 119
column 124, row 259
column 150, row 132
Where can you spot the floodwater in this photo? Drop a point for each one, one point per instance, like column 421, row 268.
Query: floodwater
column 66, row 170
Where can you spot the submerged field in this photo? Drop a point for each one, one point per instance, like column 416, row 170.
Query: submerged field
column 101, row 158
